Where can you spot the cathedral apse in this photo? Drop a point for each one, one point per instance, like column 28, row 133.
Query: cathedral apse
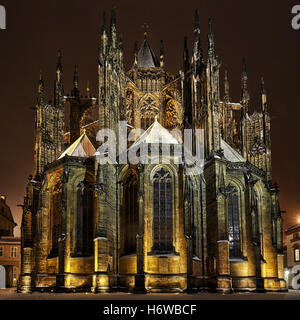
column 151, row 227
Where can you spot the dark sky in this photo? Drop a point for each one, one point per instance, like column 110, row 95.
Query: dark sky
column 258, row 30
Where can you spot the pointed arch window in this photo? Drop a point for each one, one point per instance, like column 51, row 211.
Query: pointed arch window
column 233, row 223
column 130, row 218
column 56, row 217
column 255, row 220
column 162, row 212
column 191, row 218
column 84, row 219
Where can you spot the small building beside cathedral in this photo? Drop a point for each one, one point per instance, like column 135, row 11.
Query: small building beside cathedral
column 10, row 247
column 152, row 226
column 292, row 254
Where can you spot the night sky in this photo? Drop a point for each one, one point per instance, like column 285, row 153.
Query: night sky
column 258, row 30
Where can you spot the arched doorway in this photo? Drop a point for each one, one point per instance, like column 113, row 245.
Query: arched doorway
column 2, row 278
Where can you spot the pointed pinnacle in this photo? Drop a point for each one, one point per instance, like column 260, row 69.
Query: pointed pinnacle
column 88, row 89
column 75, row 76
column 263, row 90
column 226, row 85
column 59, row 63
column 210, row 35
column 41, row 76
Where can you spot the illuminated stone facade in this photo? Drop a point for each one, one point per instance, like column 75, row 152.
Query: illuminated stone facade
column 152, row 227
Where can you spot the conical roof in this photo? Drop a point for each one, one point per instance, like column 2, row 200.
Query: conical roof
column 146, row 56
column 82, row 147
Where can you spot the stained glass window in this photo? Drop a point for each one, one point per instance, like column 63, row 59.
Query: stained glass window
column 84, row 220
column 162, row 212
column 233, row 224
column 255, row 225
column 130, row 222
column 56, row 218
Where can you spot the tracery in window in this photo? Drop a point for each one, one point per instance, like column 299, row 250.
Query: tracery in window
column 130, row 218
column 56, row 217
column 162, row 212
column 84, row 219
column 149, row 110
column 233, row 224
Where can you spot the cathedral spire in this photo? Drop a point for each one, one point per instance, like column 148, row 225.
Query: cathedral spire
column 75, row 91
column 226, row 88
column 113, row 28
column 58, row 85
column 75, row 78
column 41, row 88
column 186, row 59
column 211, row 38
column 162, row 54
column 263, row 96
column 135, row 52
column 266, row 118
column 145, row 26
column 147, row 57
column 59, row 69
column 104, row 36
column 245, row 96
column 197, row 50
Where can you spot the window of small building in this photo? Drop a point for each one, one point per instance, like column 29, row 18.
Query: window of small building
column 13, row 252
column 1, row 252
column 297, row 255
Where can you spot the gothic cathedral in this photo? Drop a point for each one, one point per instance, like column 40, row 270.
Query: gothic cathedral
column 151, row 227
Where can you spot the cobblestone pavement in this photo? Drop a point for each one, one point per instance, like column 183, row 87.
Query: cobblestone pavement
column 10, row 294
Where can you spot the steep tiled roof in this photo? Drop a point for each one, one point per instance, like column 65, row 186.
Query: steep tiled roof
column 146, row 56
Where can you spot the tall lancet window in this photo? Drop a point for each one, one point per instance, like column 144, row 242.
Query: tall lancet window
column 254, row 216
column 84, row 219
column 162, row 212
column 130, row 218
column 56, row 217
column 233, row 223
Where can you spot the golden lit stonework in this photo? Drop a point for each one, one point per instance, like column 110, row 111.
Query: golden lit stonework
column 151, row 227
